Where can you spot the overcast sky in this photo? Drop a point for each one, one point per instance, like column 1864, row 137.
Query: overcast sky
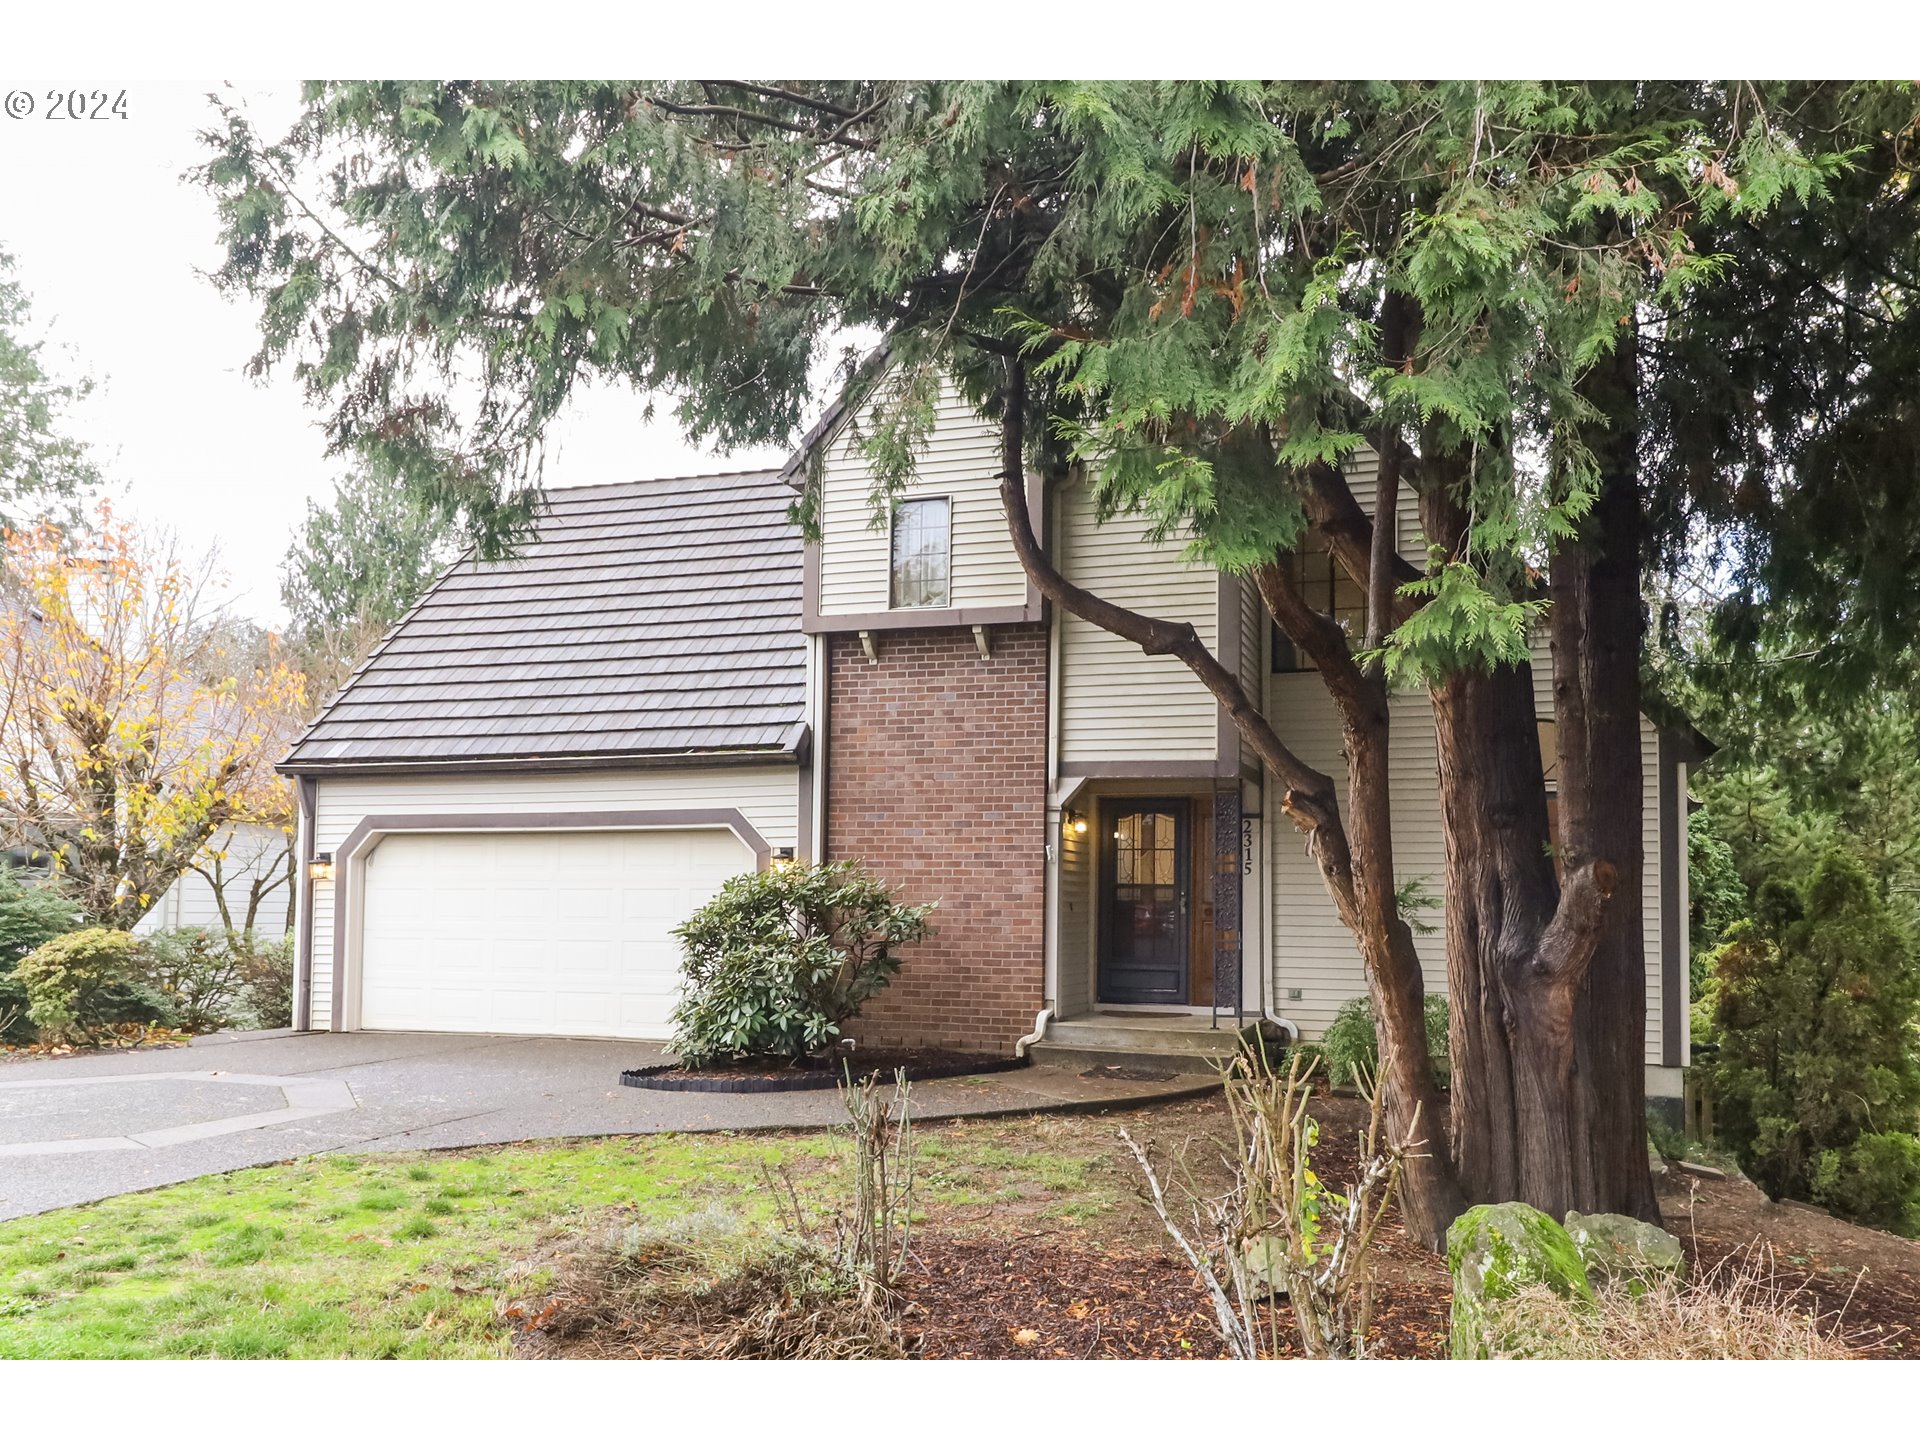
column 110, row 244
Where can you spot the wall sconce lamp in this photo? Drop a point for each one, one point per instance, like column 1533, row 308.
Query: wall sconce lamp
column 781, row 858
column 1074, row 823
column 321, row 866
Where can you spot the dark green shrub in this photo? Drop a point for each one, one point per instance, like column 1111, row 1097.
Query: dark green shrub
column 79, row 983
column 1876, row 1179
column 266, row 972
column 198, row 971
column 30, row 915
column 1352, row 1043
column 1817, row 1079
column 778, row 960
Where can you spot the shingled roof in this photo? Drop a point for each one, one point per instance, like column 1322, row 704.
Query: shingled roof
column 654, row 618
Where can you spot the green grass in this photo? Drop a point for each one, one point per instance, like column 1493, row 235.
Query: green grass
column 407, row 1255
column 350, row 1255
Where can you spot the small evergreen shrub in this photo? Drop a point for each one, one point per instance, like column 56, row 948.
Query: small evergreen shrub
column 779, row 960
column 1817, row 1080
column 30, row 915
column 1351, row 1044
column 79, row 983
column 198, row 971
column 266, row 975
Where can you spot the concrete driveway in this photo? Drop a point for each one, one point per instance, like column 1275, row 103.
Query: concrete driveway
column 84, row 1127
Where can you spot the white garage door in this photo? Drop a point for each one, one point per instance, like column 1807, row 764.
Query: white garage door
column 534, row 933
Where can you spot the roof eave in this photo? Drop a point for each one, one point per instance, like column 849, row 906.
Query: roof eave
column 790, row 751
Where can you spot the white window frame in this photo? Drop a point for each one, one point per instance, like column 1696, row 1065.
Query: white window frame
column 893, row 558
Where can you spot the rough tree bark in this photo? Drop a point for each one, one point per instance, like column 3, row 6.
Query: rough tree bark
column 1359, row 878
column 1597, row 632
column 1546, row 972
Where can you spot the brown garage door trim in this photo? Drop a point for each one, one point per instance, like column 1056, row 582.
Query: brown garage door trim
column 375, row 828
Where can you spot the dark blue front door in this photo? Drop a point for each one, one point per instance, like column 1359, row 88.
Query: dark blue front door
column 1145, row 897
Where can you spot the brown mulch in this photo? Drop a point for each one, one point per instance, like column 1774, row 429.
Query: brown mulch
column 987, row 1300
column 112, row 1037
column 836, row 1063
column 1015, row 1280
column 1120, row 1290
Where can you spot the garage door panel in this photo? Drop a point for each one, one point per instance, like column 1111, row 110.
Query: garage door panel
column 534, row 933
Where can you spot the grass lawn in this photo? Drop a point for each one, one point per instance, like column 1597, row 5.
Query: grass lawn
column 381, row 1256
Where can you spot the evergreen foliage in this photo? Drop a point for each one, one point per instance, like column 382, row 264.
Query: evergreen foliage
column 42, row 465
column 79, row 983
column 359, row 563
column 1818, row 1073
column 30, row 915
column 778, row 961
column 1351, row 1043
column 1197, row 268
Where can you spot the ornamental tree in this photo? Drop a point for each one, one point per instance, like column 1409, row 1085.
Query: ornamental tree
column 1207, row 297
column 134, row 723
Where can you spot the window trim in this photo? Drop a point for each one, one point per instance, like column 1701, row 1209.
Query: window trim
column 945, row 602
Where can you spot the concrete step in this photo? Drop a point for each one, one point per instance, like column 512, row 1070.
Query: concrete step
column 1115, row 1032
column 1181, row 1044
column 1174, row 1062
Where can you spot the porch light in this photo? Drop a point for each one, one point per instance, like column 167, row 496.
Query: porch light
column 321, row 866
column 782, row 857
column 1075, row 823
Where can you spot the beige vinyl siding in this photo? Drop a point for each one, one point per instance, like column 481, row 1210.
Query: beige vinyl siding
column 1115, row 702
column 962, row 463
column 1363, row 474
column 1312, row 950
column 1253, row 654
column 1075, row 955
column 766, row 795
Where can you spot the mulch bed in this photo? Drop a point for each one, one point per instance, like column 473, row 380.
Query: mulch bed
column 1862, row 1284
column 816, row 1072
column 989, row 1300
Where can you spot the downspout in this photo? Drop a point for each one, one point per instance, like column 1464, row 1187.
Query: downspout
column 1038, row 1034
column 1050, row 849
column 304, row 789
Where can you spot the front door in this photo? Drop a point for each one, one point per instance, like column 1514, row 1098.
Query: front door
column 1145, row 898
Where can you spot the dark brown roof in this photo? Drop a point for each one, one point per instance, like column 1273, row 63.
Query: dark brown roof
column 649, row 619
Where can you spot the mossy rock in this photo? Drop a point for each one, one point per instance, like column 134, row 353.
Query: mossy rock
column 1620, row 1250
column 1494, row 1252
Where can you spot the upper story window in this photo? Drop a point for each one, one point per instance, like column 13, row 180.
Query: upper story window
column 1326, row 588
column 922, row 553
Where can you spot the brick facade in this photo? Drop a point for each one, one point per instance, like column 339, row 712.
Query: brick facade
column 936, row 780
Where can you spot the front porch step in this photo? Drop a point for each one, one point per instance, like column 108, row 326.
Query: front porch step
column 1183, row 1044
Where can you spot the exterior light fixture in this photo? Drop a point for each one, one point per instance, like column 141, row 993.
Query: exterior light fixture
column 782, row 857
column 321, row 866
column 1074, row 823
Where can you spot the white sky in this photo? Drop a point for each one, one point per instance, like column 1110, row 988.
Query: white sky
column 110, row 243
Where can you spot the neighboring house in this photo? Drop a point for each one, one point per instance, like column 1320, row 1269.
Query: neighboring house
column 551, row 761
column 249, row 867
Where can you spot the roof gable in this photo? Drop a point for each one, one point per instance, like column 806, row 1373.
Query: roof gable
column 645, row 619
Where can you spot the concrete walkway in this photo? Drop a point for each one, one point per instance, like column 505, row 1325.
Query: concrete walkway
column 84, row 1127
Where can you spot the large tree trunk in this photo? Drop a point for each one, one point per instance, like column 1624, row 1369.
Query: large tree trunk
column 1598, row 629
column 1547, row 973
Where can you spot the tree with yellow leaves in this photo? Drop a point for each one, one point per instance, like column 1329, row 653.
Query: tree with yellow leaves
column 137, row 720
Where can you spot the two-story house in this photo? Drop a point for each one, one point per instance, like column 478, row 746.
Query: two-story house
column 552, row 760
